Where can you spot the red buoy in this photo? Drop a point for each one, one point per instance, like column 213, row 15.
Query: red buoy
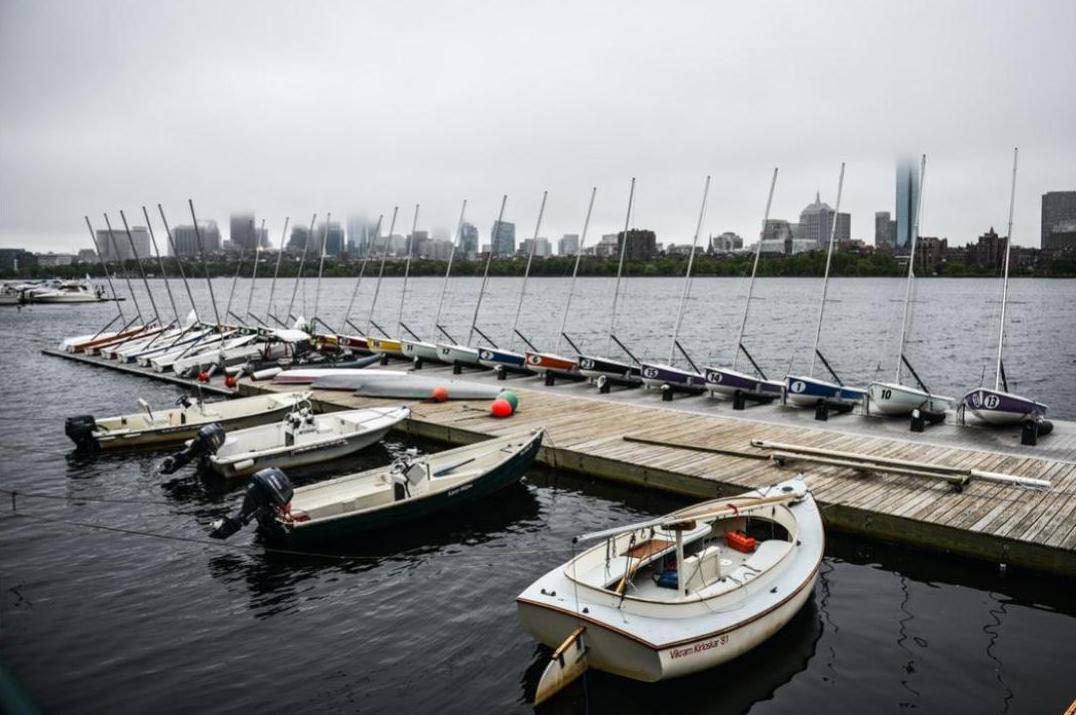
column 440, row 393
column 229, row 381
column 500, row 408
column 203, row 376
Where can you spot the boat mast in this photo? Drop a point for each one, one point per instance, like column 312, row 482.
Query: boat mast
column 527, row 270
column 911, row 270
column 381, row 271
column 179, row 260
column 687, row 276
column 126, row 276
column 205, row 266
column 754, row 270
column 302, row 261
column 1005, row 281
column 141, row 270
column 575, row 269
column 407, row 271
column 104, row 264
column 235, row 280
column 362, row 271
column 485, row 273
column 321, row 268
column 448, row 269
column 623, row 249
column 160, row 264
column 254, row 275
column 276, row 272
column 825, row 276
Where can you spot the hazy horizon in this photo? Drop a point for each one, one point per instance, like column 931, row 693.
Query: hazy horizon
column 355, row 108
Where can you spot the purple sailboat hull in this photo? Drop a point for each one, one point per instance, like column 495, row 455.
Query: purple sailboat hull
column 729, row 382
column 658, row 375
column 612, row 369
column 997, row 407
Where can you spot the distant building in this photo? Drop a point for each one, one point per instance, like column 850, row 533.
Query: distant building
column 777, row 229
column 885, row 230
column 641, row 244
column 16, row 260
column 360, row 233
column 86, row 255
column 816, row 223
column 186, row 240
column 297, row 240
column 503, row 238
column 682, row 250
column 568, row 245
column 930, row 252
column 907, row 203
column 333, row 241
column 608, row 246
column 1058, row 220
column 726, row 243
column 242, row 232
column 542, row 247
column 117, row 247
column 469, row 241
column 419, row 242
column 989, row 252
column 437, row 250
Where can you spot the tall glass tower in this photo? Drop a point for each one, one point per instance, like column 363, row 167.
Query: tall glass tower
column 907, row 201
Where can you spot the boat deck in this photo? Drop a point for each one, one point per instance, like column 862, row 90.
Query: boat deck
column 702, row 447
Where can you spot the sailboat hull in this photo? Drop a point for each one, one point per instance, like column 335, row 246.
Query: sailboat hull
column 727, row 382
column 1002, row 408
column 548, row 362
column 596, row 367
column 458, row 354
column 895, row 400
column 807, row 391
column 506, row 359
column 655, row 375
column 353, row 342
column 388, row 346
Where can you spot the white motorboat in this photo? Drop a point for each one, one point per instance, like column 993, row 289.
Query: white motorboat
column 681, row 593
column 150, row 427
column 301, row 438
column 71, row 292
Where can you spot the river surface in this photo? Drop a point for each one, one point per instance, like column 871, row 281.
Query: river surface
column 112, row 600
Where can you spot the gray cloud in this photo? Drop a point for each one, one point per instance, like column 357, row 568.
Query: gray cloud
column 292, row 108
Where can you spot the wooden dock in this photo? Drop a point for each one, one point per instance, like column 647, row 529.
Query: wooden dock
column 216, row 387
column 702, row 447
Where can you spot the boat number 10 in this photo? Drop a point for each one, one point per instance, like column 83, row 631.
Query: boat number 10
column 886, row 394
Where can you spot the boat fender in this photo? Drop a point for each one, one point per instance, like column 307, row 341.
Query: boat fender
column 208, row 440
column 80, row 429
column 268, row 493
column 669, row 578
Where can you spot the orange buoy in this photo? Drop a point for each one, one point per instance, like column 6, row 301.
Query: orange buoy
column 203, row 376
column 500, row 408
column 229, row 381
column 440, row 393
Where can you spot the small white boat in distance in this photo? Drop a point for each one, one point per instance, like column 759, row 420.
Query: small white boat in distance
column 681, row 593
column 71, row 292
column 896, row 400
column 150, row 428
column 303, row 438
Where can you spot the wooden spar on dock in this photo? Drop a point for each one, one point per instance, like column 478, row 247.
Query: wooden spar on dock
column 299, row 275
column 362, row 272
column 179, row 259
column 381, row 270
column 856, row 460
column 269, row 313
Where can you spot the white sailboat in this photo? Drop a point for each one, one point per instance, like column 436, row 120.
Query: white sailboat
column 997, row 405
column 896, row 399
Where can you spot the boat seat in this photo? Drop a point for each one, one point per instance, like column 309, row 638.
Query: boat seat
column 703, row 568
column 767, row 554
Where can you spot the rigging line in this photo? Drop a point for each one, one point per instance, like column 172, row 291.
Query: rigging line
column 1005, row 283
column 911, row 269
column 754, row 271
column 575, row 270
column 526, row 273
column 381, row 271
column 448, row 269
column 362, row 270
column 825, row 278
column 68, row 497
column 276, row 271
column 622, row 250
column 299, row 275
column 687, row 278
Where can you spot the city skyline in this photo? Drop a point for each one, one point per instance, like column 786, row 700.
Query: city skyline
column 147, row 119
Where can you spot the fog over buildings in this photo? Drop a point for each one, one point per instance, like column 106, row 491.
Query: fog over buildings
column 111, row 105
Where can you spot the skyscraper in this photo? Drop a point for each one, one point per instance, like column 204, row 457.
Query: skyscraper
column 884, row 230
column 186, row 239
column 503, row 238
column 118, row 248
column 907, row 203
column 332, row 238
column 568, row 245
column 816, row 223
column 469, row 241
column 1058, row 215
column 242, row 232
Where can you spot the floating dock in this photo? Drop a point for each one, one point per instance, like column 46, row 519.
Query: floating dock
column 702, row 447
column 216, row 387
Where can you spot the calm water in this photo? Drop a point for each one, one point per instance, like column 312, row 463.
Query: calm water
column 94, row 620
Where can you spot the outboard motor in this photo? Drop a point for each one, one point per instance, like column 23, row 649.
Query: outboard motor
column 208, row 440
column 80, row 429
column 269, row 491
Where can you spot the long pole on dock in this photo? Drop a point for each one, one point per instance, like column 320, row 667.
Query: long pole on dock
column 141, row 270
column 407, row 271
column 104, row 264
column 381, row 271
column 126, row 277
column 825, row 276
column 362, row 269
column 254, row 274
column 205, row 266
column 623, row 249
column 754, row 270
column 302, row 262
column 160, row 264
column 911, row 270
column 1005, row 281
column 527, row 270
column 276, row 272
column 575, row 269
column 485, row 273
column 179, row 260
column 448, row 269
column 687, row 275
column 321, row 269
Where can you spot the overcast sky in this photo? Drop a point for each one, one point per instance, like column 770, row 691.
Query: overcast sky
column 290, row 108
